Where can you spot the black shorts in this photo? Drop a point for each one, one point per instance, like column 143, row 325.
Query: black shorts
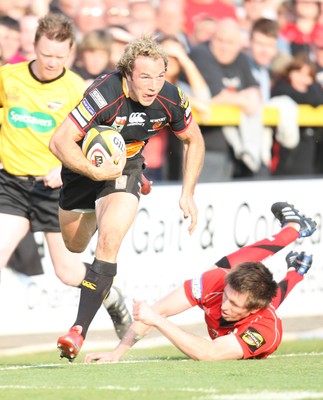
column 80, row 193
column 31, row 199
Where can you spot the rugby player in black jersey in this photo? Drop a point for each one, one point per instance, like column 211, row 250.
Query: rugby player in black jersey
column 137, row 101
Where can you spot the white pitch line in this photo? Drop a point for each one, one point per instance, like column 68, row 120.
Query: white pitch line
column 200, row 393
column 17, row 367
column 296, row 355
column 264, row 396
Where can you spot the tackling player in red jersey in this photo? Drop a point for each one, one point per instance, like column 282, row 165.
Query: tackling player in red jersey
column 238, row 296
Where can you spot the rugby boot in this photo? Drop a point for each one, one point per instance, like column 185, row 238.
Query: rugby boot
column 301, row 262
column 118, row 311
column 69, row 345
column 286, row 212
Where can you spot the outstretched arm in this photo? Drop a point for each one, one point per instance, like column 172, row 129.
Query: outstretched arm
column 196, row 347
column 147, row 317
column 172, row 304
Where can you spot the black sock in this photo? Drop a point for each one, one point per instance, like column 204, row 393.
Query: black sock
column 94, row 288
column 87, row 266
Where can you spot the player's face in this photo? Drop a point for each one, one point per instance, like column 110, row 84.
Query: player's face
column 147, row 80
column 51, row 57
column 234, row 305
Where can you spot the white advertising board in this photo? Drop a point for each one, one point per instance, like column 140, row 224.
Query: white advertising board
column 158, row 253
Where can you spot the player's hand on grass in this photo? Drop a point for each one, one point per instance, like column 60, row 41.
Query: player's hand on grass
column 100, row 358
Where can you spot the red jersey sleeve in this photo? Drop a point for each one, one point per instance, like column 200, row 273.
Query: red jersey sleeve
column 198, row 290
column 260, row 334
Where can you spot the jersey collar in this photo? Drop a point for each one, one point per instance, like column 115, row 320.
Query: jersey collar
column 125, row 87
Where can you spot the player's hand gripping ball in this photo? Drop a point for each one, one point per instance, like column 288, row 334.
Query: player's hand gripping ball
column 101, row 142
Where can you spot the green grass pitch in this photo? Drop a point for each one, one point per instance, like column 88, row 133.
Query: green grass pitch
column 295, row 372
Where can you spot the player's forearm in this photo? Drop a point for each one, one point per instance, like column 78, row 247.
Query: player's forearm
column 71, row 156
column 195, row 347
column 193, row 159
column 135, row 333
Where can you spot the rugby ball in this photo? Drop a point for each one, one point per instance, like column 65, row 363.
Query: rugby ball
column 101, row 142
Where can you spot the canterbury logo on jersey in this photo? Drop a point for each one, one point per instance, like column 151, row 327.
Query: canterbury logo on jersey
column 22, row 118
column 136, row 118
column 134, row 148
column 89, row 285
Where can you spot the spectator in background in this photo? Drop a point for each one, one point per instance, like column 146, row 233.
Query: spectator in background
column 143, row 18
column 204, row 28
column 230, row 151
column 301, row 31
column 170, row 19
column 93, row 55
column 163, row 153
column 3, row 36
column 263, row 50
column 194, row 85
column 28, row 26
column 65, row 7
column 16, row 9
column 10, row 38
column 320, row 18
column 39, row 7
column 283, row 18
column 217, row 9
column 117, row 12
column 252, row 10
column 5, row 7
column 120, row 38
column 285, row 13
column 249, row 12
column 317, row 54
column 298, row 82
column 89, row 15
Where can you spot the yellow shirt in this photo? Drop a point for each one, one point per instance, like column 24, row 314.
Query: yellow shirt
column 32, row 111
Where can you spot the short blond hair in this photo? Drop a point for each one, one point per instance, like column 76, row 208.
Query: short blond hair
column 145, row 46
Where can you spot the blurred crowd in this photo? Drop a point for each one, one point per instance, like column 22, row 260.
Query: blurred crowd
column 243, row 53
